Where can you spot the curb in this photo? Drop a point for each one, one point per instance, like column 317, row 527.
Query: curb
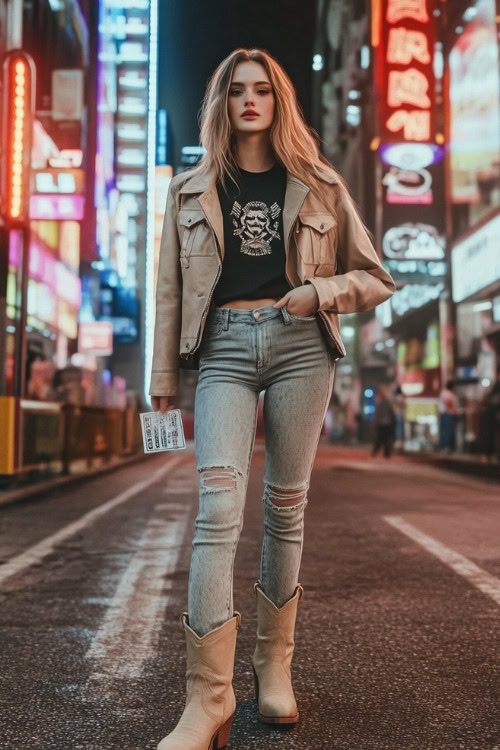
column 42, row 488
column 481, row 471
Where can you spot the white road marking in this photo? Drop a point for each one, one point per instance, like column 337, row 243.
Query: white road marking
column 478, row 577
column 130, row 629
column 39, row 551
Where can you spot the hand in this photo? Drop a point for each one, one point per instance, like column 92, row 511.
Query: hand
column 160, row 403
column 301, row 301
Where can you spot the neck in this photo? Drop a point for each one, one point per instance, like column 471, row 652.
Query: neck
column 253, row 152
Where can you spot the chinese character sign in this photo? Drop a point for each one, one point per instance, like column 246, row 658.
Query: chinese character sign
column 405, row 77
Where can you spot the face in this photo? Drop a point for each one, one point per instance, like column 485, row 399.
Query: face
column 250, row 89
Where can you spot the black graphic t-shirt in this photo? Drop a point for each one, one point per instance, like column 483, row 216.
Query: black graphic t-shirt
column 254, row 247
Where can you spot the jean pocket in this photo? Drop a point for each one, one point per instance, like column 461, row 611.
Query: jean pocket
column 213, row 328
column 302, row 317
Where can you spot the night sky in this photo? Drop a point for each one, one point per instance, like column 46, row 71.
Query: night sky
column 195, row 36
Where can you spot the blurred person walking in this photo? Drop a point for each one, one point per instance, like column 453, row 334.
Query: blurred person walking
column 383, row 423
column 448, row 406
column 252, row 276
column 399, row 411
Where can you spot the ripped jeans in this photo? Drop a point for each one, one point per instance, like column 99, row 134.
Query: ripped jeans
column 242, row 353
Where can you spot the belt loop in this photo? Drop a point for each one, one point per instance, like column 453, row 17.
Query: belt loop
column 225, row 323
column 286, row 315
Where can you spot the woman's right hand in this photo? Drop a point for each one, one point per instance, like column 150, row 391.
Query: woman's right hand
column 160, row 403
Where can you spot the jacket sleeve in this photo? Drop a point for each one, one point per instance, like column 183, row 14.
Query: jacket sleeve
column 167, row 331
column 361, row 282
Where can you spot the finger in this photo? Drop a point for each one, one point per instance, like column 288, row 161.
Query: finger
column 163, row 404
column 282, row 301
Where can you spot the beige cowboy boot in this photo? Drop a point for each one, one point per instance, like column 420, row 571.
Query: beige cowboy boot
column 206, row 721
column 272, row 658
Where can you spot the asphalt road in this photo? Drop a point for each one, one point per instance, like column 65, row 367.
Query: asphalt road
column 398, row 633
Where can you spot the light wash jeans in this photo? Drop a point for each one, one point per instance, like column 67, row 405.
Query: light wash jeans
column 242, row 353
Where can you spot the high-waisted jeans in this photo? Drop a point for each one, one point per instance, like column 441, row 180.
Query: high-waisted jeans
column 242, row 353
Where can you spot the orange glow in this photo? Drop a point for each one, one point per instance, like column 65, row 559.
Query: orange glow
column 376, row 17
column 17, row 134
column 407, row 87
column 416, row 125
column 405, row 45
column 398, row 9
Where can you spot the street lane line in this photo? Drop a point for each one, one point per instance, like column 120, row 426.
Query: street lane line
column 478, row 577
column 129, row 631
column 38, row 551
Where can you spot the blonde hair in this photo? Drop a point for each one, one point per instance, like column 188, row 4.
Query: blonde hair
column 295, row 144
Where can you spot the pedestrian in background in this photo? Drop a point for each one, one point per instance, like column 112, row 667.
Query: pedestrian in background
column 447, row 420
column 237, row 281
column 399, row 411
column 383, row 423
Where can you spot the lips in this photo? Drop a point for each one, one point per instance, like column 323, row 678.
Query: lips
column 250, row 113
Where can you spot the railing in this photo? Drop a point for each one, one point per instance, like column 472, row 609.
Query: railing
column 39, row 435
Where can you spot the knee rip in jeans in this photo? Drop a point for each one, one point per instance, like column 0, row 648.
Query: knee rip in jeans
column 285, row 499
column 218, row 478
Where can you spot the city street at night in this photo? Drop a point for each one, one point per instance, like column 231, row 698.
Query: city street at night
column 249, row 375
column 397, row 633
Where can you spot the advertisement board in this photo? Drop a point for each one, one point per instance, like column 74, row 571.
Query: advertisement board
column 474, row 94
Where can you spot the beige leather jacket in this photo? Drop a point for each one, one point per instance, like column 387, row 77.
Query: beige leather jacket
column 329, row 249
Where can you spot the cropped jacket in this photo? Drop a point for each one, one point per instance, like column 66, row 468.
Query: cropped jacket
column 326, row 245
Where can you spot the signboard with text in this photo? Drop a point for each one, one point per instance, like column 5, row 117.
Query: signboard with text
column 403, row 35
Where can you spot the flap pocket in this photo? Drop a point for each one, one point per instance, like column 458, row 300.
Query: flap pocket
column 188, row 217
column 320, row 222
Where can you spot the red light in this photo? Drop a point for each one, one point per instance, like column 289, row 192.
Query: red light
column 408, row 87
column 398, row 9
column 18, row 87
column 405, row 45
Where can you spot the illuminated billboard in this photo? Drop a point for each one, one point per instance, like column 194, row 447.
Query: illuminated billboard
column 403, row 35
column 474, row 93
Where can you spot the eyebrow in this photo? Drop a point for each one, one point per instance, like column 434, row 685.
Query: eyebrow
column 257, row 83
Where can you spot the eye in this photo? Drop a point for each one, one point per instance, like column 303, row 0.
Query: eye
column 264, row 91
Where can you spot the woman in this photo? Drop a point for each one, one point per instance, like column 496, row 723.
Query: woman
column 261, row 249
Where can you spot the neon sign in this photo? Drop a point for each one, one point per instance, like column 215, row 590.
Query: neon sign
column 406, row 29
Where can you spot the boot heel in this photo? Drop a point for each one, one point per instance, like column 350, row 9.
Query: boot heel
column 256, row 683
column 222, row 737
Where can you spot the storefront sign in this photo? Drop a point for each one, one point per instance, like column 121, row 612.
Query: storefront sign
column 410, row 155
column 414, row 296
column 57, row 181
column 413, row 242
column 96, row 338
column 408, row 186
column 403, row 31
column 416, row 271
column 474, row 105
column 57, row 207
column 475, row 262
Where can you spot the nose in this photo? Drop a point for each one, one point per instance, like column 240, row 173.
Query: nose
column 249, row 99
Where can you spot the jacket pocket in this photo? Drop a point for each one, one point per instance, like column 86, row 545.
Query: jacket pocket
column 315, row 238
column 196, row 238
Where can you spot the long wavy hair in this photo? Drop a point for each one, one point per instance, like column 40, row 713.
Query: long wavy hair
column 294, row 142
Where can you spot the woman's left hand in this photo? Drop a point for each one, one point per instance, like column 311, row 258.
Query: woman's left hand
column 301, row 301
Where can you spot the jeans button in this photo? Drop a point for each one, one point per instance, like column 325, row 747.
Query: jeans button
column 256, row 315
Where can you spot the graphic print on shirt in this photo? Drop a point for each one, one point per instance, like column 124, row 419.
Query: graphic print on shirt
column 253, row 225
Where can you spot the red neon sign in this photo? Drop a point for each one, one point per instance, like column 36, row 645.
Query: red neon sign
column 17, row 135
column 404, row 69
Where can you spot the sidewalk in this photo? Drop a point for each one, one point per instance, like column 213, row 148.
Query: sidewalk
column 80, row 474
column 463, row 463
